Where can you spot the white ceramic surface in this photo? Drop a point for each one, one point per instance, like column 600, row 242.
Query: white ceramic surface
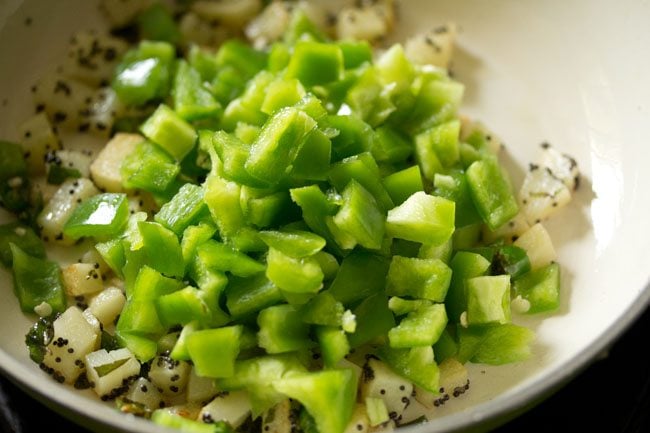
column 570, row 72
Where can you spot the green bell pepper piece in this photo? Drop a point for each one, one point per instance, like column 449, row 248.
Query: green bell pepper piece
column 360, row 216
column 446, row 346
column 144, row 349
column 227, row 84
column 149, row 168
column 265, row 209
column 241, row 56
column 333, row 344
column 464, row 265
column 363, row 169
column 312, row 161
column 437, row 101
column 294, row 275
column 361, row 275
column 418, row 278
column 374, row 320
column 282, row 330
column 162, row 249
column 247, row 107
column 278, row 144
column 223, row 199
column 293, row 243
column 442, row 142
column 99, row 216
column 214, row 351
column 204, row 62
column 421, row 327
column 156, row 23
column 327, row 395
column 36, row 281
column 192, row 100
column 354, row 135
column 257, row 375
column 494, row 345
column 248, row 295
column 422, row 218
column 442, row 252
column 233, row 154
column 416, row 364
column 221, row 257
column 390, row 146
column 179, row 351
column 12, row 161
column 168, row 130
column 511, row 260
column 541, row 288
column 355, row 53
column 402, row 184
column 370, row 98
column 400, row 306
column 488, row 300
column 282, row 93
column 145, row 73
column 454, row 186
column 322, row 309
column 23, row 237
column 182, row 307
column 491, row 192
column 193, row 236
column 316, row 208
column 279, row 56
column 185, row 209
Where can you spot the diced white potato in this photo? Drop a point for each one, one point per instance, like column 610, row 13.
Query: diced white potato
column 92, row 320
column 168, row 375
column 371, row 22
column 41, row 187
column 538, row 245
column 548, row 185
column 379, row 381
column 92, row 57
column 278, row 419
column 62, row 98
column 59, row 209
column 231, row 13
column 453, row 383
column 510, row 231
column 542, row 194
column 92, row 256
column 144, row 393
column 270, row 25
column 359, row 422
column 37, row 139
column 434, row 47
column 414, row 411
column 69, row 159
column 109, row 373
column 107, row 305
column 82, row 279
column 105, row 169
column 122, row 12
column 563, row 166
column 317, row 14
column 73, row 339
column 99, row 112
column 196, row 30
column 200, row 389
column 233, row 407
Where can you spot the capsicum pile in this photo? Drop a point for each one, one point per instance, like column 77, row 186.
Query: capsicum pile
column 301, row 233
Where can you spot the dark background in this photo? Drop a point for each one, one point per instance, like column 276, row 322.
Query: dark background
column 612, row 395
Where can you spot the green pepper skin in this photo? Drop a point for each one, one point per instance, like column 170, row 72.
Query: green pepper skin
column 214, row 351
column 99, row 216
column 36, row 281
column 23, row 237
